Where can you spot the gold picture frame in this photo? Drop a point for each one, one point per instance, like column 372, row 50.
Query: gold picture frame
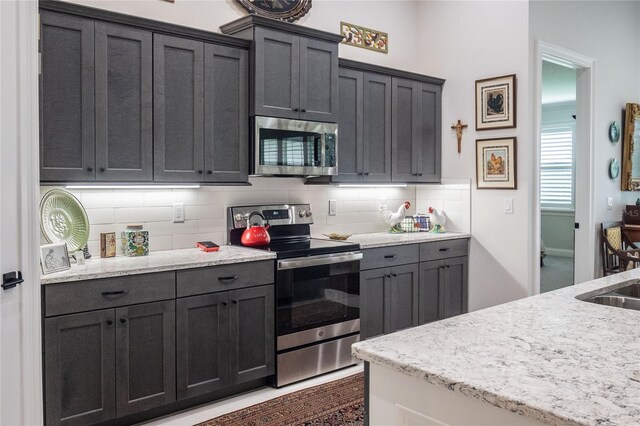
column 363, row 37
column 496, row 163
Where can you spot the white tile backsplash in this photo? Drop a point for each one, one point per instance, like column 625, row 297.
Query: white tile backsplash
column 205, row 208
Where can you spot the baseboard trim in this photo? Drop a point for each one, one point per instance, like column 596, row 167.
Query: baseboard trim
column 558, row 252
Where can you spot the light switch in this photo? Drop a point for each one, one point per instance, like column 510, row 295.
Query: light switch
column 333, row 207
column 609, row 203
column 508, row 206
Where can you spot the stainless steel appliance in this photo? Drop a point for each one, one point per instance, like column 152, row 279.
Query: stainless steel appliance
column 317, row 291
column 294, row 147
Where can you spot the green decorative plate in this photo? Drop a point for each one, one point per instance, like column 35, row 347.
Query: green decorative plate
column 63, row 219
column 614, row 132
column 614, row 169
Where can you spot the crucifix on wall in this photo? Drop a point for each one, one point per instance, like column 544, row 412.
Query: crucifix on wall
column 459, row 127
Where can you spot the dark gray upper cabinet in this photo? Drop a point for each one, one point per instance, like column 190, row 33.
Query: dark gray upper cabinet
column 178, row 94
column 202, row 345
column 416, row 131
column 364, row 123
column 295, row 69
column 67, row 109
column 226, row 113
column 145, row 356
column 79, row 367
column 318, row 80
column 123, row 95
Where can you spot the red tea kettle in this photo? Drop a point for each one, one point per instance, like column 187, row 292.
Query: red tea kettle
column 255, row 236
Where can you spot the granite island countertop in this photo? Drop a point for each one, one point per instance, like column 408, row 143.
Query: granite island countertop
column 156, row 261
column 385, row 239
column 550, row 357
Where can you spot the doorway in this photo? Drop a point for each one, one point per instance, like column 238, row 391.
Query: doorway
column 579, row 219
column 557, row 176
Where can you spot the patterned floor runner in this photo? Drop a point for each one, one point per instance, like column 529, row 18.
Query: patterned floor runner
column 340, row 402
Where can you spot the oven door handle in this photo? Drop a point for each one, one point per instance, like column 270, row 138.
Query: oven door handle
column 322, row 259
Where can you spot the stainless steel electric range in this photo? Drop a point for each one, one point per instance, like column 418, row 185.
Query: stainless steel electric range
column 317, row 291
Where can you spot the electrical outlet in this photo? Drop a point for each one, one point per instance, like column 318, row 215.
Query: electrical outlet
column 609, row 203
column 333, row 207
column 178, row 212
column 508, row 206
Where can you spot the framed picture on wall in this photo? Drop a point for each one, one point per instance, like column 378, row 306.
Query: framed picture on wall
column 496, row 103
column 496, row 163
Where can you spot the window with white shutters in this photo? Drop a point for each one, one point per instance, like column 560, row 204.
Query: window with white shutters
column 557, row 168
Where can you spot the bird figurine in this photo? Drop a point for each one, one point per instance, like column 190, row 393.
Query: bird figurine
column 394, row 219
column 438, row 218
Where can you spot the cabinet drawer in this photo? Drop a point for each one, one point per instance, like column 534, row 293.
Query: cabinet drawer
column 225, row 277
column 443, row 249
column 108, row 293
column 389, row 256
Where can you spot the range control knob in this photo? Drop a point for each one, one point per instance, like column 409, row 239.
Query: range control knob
column 239, row 217
column 308, row 214
column 302, row 213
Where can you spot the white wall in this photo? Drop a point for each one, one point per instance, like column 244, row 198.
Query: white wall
column 463, row 42
column 608, row 32
column 397, row 18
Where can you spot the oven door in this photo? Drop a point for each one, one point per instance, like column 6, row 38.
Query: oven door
column 317, row 298
column 294, row 147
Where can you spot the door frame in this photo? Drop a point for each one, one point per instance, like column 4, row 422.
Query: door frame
column 19, row 56
column 585, row 236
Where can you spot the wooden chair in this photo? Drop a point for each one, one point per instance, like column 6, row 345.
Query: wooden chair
column 618, row 251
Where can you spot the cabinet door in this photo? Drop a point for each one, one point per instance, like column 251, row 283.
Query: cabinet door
column 67, row 109
column 202, row 344
column 226, row 113
column 350, row 121
column 178, row 94
column 251, row 333
column 277, row 74
column 377, row 128
column 402, row 297
column 318, row 80
column 145, row 356
column 431, row 275
column 429, row 141
column 405, row 130
column 373, row 314
column 79, row 368
column 124, row 117
column 454, row 287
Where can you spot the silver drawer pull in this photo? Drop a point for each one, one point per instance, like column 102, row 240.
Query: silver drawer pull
column 114, row 293
column 232, row 278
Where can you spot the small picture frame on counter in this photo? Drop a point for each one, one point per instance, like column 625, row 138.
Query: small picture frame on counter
column 107, row 244
column 54, row 258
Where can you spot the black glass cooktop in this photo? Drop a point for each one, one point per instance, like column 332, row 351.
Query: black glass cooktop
column 308, row 247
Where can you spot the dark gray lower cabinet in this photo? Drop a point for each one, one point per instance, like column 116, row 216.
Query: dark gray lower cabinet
column 145, row 357
column 443, row 288
column 389, row 299
column 109, row 363
column 79, row 368
column 224, row 338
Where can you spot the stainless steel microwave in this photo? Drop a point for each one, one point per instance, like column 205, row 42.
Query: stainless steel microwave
column 294, row 147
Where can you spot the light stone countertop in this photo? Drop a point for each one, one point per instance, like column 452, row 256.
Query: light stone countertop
column 385, row 239
column 156, row 261
column 550, row 357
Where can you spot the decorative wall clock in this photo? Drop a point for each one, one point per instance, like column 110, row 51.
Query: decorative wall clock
column 284, row 10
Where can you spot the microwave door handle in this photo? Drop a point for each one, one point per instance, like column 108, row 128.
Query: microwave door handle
column 323, row 149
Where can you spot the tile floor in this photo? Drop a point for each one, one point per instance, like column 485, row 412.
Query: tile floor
column 238, row 402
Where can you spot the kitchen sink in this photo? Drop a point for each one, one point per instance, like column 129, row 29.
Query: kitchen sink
column 627, row 297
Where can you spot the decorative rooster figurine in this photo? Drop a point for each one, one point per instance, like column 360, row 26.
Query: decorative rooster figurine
column 393, row 219
column 438, row 218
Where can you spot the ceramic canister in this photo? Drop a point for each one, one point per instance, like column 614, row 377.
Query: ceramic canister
column 135, row 241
